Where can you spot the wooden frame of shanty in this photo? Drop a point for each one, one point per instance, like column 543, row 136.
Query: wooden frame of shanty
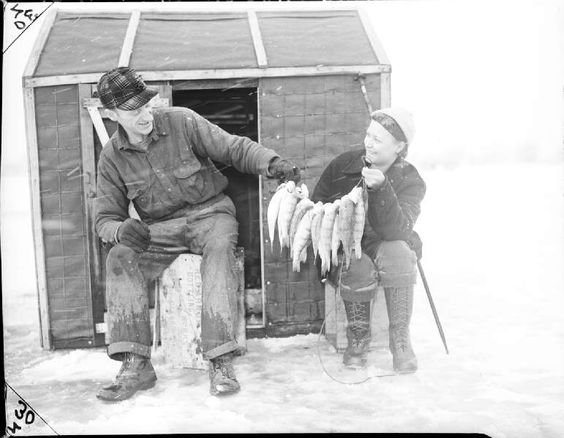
column 196, row 75
column 130, row 33
column 257, row 40
column 33, row 162
column 195, row 79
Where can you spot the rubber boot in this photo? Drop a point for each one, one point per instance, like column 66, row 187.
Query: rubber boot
column 399, row 303
column 222, row 376
column 358, row 333
column 136, row 373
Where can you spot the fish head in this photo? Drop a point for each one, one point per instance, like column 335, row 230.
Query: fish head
column 303, row 191
column 318, row 207
column 290, row 186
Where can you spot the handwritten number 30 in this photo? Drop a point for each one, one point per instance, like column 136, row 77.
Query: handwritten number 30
column 29, row 416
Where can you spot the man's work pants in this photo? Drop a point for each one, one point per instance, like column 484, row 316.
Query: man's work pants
column 208, row 229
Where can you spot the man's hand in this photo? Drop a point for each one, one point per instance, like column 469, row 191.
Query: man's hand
column 135, row 234
column 373, row 178
column 284, row 170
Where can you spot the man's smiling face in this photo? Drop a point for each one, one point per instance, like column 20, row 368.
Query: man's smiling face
column 137, row 123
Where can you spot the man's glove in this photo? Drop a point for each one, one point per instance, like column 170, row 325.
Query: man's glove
column 135, row 234
column 284, row 170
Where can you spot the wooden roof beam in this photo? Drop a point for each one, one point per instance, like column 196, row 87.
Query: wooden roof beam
column 204, row 7
column 257, row 40
column 374, row 41
column 127, row 48
column 40, row 41
column 226, row 73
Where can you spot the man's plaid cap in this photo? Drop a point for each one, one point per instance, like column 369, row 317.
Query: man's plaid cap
column 124, row 89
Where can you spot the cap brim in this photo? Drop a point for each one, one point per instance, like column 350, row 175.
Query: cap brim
column 139, row 100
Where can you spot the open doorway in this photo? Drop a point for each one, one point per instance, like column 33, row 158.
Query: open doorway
column 235, row 111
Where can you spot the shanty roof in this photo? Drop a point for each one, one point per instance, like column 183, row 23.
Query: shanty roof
column 79, row 47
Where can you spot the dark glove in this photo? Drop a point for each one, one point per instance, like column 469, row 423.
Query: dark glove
column 284, row 170
column 135, row 234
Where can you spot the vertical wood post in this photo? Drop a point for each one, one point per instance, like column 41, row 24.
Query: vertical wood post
column 35, row 191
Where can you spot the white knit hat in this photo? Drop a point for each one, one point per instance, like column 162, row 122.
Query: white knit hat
column 402, row 117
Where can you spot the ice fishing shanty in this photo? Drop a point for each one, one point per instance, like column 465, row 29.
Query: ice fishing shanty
column 297, row 81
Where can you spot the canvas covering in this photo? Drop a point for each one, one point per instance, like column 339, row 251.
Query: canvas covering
column 89, row 43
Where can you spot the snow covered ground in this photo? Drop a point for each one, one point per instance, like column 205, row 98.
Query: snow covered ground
column 493, row 256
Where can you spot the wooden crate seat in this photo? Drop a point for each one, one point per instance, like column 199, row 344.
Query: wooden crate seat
column 179, row 303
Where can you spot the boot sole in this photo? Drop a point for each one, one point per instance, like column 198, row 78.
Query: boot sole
column 355, row 366
column 145, row 386
column 230, row 391
column 355, row 362
column 405, row 371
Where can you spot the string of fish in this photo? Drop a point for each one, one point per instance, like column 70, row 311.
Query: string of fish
column 300, row 223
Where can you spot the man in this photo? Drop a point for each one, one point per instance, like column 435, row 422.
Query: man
column 390, row 247
column 160, row 159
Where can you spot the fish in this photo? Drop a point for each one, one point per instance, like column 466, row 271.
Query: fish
column 301, row 242
column 345, row 227
column 303, row 255
column 303, row 191
column 355, row 194
column 359, row 222
column 325, row 233
column 335, row 241
column 317, row 216
column 301, row 208
column 287, row 206
column 273, row 210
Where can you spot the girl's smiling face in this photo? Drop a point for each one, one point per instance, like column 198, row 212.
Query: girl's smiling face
column 382, row 148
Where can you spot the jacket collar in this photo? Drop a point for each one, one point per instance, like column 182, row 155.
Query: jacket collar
column 356, row 163
column 159, row 122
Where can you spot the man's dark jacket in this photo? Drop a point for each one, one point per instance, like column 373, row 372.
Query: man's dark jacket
column 392, row 208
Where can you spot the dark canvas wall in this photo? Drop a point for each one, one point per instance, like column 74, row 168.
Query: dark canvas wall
column 62, row 216
column 82, row 43
column 309, row 120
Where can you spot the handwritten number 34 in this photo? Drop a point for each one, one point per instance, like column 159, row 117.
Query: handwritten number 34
column 29, row 415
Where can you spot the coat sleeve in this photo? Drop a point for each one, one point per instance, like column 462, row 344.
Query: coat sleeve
column 211, row 141
column 392, row 215
column 111, row 203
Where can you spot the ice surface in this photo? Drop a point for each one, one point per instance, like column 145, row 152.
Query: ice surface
column 493, row 255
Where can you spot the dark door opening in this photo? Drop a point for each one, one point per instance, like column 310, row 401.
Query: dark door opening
column 235, row 111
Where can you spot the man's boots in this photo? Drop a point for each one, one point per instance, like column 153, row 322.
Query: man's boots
column 136, row 373
column 358, row 333
column 399, row 302
column 222, row 375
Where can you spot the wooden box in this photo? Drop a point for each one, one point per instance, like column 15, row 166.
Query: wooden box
column 180, row 305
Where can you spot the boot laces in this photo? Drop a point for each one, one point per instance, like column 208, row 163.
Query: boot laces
column 359, row 323
column 224, row 365
column 399, row 324
column 359, row 317
column 128, row 365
